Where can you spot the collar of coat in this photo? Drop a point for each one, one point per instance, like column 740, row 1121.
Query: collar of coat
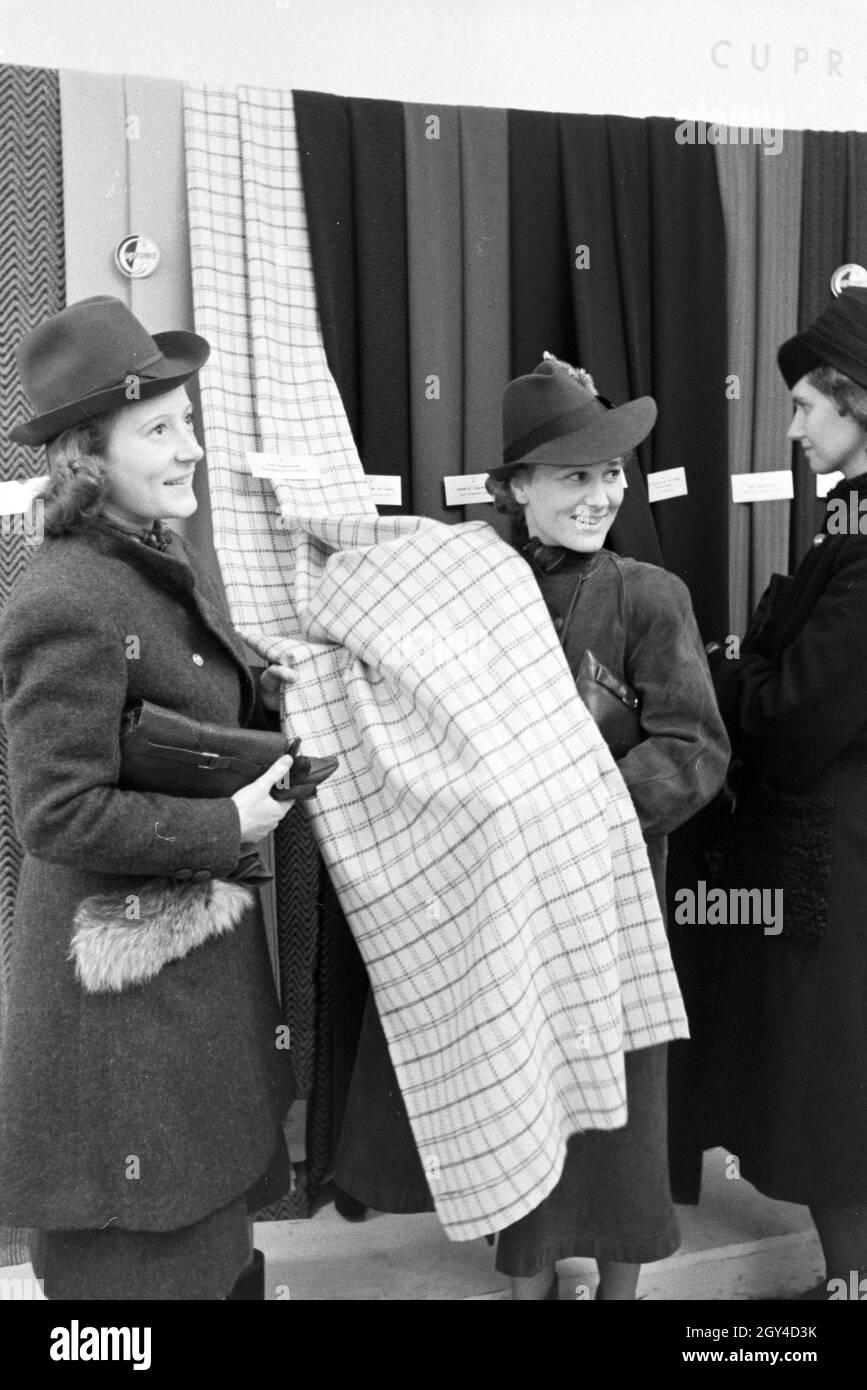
column 177, row 569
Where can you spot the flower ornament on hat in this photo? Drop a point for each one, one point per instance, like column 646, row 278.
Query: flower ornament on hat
column 94, row 357
column 555, row 416
column 837, row 338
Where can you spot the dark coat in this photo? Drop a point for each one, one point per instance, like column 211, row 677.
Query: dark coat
column 156, row 1105
column 787, row 1076
column 637, row 619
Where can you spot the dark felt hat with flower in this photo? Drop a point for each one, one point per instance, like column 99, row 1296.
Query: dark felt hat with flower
column 555, row 416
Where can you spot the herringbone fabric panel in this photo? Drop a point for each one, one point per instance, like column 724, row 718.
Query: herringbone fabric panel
column 297, row 866
column 31, row 287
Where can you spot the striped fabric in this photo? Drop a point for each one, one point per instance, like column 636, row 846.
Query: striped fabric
column 759, row 195
column 481, row 841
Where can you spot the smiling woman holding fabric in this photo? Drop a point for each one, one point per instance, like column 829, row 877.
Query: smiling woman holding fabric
column 628, row 633
column 142, row 1087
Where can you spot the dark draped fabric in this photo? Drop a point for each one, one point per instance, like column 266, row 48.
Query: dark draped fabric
column 540, row 255
column 606, row 189
column 823, row 248
column 353, row 171
column 383, row 433
column 325, row 152
column 32, row 286
column 689, row 344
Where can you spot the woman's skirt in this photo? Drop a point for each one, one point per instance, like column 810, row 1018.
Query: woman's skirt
column 613, row 1200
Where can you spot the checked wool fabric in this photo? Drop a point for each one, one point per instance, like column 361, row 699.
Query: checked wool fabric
column 480, row 839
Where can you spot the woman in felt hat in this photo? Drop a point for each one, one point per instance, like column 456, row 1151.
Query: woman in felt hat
column 787, row 1075
column 563, row 475
column 142, row 1084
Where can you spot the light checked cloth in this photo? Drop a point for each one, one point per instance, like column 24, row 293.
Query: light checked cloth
column 482, row 842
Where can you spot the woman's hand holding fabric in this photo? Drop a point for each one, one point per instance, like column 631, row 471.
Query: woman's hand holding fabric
column 271, row 683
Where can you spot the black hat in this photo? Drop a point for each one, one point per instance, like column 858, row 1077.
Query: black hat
column 556, row 417
column 80, row 362
column 838, row 338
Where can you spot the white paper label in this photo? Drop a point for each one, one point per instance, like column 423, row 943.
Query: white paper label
column 825, row 481
column 283, row 467
column 762, row 487
column 465, row 489
column 385, row 490
column 17, row 495
column 670, row 482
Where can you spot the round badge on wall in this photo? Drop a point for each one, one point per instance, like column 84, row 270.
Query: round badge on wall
column 848, row 275
column 137, row 257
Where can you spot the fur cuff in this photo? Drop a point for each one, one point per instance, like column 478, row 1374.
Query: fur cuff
column 123, row 941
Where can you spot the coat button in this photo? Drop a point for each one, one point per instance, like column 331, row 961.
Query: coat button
column 182, row 874
column 199, row 660
column 201, row 876
column 820, row 539
column 558, row 624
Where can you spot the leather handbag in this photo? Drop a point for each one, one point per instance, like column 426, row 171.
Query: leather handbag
column 161, row 751
column 613, row 705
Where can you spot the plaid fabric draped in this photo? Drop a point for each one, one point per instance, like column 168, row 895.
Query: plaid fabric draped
column 480, row 839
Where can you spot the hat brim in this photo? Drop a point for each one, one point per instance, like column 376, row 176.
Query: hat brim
column 606, row 437
column 183, row 354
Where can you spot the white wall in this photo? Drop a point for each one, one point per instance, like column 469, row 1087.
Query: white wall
column 795, row 63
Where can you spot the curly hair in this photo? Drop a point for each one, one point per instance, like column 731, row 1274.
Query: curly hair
column 501, row 491
column 76, row 486
column 849, row 396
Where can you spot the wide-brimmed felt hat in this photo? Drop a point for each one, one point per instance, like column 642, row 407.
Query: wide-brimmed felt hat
column 837, row 338
column 555, row 416
column 80, row 362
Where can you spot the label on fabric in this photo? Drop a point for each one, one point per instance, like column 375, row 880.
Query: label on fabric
column 283, row 467
column 825, row 481
column 17, row 495
column 772, row 486
column 668, row 482
column 385, row 490
column 463, row 489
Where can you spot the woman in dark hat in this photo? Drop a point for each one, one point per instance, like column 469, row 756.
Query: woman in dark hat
column 143, row 1084
column 562, row 473
column 787, row 1078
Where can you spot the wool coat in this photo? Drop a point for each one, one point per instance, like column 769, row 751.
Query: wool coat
column 637, row 619
column 786, row 1080
column 153, row 1105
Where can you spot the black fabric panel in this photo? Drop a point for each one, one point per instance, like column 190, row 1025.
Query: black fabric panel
column 823, row 248
column 325, row 151
column 689, row 343
column 541, row 260
column 379, row 181
column 606, row 195
column 689, row 337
